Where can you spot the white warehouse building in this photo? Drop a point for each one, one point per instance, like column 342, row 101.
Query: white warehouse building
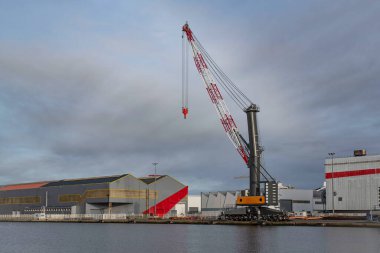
column 296, row 200
column 290, row 200
column 355, row 182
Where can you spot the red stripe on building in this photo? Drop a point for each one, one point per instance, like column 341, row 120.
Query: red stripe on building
column 165, row 205
column 352, row 173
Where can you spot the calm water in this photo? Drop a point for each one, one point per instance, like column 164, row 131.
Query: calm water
column 76, row 237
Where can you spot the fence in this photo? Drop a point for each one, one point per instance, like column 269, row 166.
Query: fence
column 96, row 217
column 67, row 217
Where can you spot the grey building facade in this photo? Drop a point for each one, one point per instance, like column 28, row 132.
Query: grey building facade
column 120, row 194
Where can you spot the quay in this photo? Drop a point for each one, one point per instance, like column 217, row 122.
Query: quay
column 105, row 218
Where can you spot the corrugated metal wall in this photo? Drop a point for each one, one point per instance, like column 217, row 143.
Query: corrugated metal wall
column 356, row 183
column 214, row 202
column 165, row 187
column 127, row 194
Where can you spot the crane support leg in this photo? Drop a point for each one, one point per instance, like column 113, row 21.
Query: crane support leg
column 254, row 158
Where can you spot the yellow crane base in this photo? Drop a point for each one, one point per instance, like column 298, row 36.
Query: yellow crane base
column 250, row 201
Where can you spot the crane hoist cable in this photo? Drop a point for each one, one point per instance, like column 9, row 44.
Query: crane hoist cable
column 213, row 75
column 251, row 152
column 185, row 77
column 231, row 89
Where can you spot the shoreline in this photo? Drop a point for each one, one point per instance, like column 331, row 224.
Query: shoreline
column 308, row 223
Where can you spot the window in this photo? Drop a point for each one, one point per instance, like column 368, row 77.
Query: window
column 340, row 199
column 69, row 198
column 20, row 200
column 301, row 201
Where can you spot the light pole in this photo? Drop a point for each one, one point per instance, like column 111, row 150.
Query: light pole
column 155, row 187
column 332, row 180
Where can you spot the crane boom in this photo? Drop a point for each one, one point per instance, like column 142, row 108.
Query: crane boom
column 250, row 151
column 224, row 115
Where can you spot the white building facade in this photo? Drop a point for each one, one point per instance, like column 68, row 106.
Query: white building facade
column 353, row 183
column 213, row 203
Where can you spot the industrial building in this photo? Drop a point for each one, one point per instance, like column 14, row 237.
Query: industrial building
column 193, row 206
column 213, row 203
column 290, row 200
column 120, row 194
column 298, row 200
column 353, row 183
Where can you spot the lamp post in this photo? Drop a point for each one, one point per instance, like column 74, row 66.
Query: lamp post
column 155, row 187
column 332, row 180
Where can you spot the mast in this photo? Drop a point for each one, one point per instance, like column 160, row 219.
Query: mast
column 254, row 151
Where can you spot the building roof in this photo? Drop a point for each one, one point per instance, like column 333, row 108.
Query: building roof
column 79, row 181
column 353, row 160
column 22, row 186
column 92, row 180
column 151, row 178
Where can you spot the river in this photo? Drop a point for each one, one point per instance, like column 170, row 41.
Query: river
column 46, row 237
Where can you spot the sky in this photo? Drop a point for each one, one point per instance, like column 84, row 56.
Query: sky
column 93, row 88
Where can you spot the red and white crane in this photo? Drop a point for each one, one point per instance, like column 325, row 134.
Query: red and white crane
column 213, row 76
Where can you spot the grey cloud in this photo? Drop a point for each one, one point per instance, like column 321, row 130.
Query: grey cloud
column 84, row 121
column 313, row 71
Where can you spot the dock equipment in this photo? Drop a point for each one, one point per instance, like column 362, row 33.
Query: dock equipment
column 250, row 150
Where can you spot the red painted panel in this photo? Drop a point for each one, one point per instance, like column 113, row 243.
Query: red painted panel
column 352, row 173
column 22, row 186
column 165, row 205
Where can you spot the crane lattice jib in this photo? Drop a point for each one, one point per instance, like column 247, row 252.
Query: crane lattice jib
column 215, row 95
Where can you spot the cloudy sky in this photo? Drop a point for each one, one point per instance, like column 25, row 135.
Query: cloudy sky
column 91, row 88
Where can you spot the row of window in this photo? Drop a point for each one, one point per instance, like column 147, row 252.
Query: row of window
column 97, row 193
column 20, row 200
column 113, row 193
column 55, row 209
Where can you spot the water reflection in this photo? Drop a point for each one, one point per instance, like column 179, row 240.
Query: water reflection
column 115, row 238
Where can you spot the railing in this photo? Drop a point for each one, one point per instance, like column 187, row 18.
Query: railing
column 68, row 217
column 98, row 217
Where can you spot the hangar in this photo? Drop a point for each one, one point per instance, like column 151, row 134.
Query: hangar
column 118, row 194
